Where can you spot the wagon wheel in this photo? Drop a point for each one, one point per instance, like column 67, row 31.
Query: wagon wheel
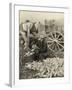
column 55, row 41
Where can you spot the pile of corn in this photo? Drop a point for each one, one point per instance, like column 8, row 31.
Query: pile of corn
column 50, row 67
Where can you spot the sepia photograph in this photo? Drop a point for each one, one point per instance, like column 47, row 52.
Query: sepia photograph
column 41, row 44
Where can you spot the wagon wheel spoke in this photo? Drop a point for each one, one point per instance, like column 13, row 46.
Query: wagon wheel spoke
column 52, row 36
column 55, row 49
column 61, row 45
column 55, row 35
column 50, row 39
column 52, row 46
column 58, row 46
column 61, row 42
column 60, row 39
column 58, row 36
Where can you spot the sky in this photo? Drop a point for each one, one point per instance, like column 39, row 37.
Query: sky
column 40, row 16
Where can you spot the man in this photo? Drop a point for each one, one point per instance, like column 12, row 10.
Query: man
column 25, row 31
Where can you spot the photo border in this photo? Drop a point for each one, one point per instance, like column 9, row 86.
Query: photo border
column 13, row 80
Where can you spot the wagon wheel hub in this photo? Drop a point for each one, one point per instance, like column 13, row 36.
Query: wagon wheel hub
column 55, row 40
